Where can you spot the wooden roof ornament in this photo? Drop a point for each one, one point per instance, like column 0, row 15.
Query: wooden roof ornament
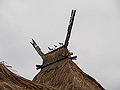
column 59, row 71
column 69, row 28
column 38, row 49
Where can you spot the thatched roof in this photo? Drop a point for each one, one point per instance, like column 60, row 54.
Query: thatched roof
column 11, row 81
column 65, row 74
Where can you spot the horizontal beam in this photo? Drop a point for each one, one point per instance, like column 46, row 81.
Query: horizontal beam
column 56, row 60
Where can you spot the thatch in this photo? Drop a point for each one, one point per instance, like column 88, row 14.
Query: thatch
column 11, row 81
column 55, row 54
column 65, row 74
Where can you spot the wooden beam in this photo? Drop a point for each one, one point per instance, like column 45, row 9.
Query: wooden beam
column 68, row 55
column 69, row 28
column 37, row 48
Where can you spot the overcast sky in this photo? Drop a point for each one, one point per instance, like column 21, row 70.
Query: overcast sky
column 95, row 35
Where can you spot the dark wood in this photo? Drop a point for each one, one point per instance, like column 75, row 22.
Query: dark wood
column 37, row 48
column 69, row 28
column 55, row 60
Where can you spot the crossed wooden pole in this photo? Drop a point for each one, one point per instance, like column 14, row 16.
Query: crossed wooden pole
column 39, row 51
column 69, row 28
column 37, row 48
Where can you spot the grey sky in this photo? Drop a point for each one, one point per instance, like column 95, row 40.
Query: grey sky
column 95, row 35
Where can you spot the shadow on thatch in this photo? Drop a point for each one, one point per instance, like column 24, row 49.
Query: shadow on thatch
column 65, row 74
column 11, row 81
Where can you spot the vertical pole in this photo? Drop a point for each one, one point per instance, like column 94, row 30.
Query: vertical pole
column 69, row 28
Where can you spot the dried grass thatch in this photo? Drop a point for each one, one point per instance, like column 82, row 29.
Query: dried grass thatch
column 11, row 81
column 65, row 74
column 55, row 54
